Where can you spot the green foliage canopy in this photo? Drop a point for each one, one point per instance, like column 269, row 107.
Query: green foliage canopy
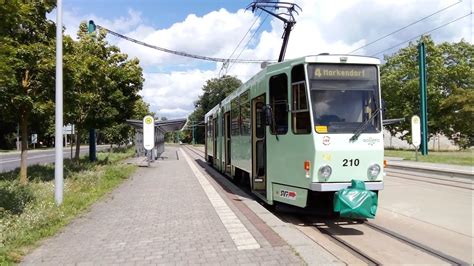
column 214, row 91
column 450, row 89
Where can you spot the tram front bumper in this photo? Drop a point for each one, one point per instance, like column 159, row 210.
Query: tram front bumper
column 375, row 185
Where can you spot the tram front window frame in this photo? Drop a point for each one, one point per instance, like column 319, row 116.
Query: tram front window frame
column 343, row 97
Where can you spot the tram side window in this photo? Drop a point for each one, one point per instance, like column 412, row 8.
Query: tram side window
column 300, row 118
column 245, row 114
column 234, row 117
column 209, row 128
column 279, row 103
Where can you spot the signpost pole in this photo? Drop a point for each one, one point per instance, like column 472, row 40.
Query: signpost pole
column 415, row 134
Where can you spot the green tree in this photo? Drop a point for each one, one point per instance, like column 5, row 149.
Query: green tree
column 449, row 89
column 120, row 133
column 27, row 65
column 457, row 107
column 140, row 109
column 214, row 91
column 104, row 86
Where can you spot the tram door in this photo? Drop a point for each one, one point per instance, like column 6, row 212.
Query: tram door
column 259, row 154
column 227, row 142
column 214, row 139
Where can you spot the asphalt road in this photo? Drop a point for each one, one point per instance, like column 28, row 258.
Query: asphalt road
column 11, row 160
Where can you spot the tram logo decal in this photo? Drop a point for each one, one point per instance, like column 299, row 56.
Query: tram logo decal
column 326, row 140
column 371, row 141
column 291, row 195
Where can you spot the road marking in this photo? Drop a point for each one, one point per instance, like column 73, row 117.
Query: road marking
column 242, row 238
column 34, row 157
column 29, row 158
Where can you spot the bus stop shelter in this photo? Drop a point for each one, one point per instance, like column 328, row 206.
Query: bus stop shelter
column 161, row 127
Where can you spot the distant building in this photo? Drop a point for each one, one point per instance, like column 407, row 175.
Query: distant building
column 437, row 143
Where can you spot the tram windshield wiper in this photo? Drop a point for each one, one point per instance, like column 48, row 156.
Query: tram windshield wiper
column 362, row 127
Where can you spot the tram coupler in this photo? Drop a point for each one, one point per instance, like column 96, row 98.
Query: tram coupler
column 356, row 201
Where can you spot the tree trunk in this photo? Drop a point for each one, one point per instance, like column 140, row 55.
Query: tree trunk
column 24, row 147
column 78, row 143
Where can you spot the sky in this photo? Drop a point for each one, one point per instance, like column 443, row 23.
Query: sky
column 214, row 28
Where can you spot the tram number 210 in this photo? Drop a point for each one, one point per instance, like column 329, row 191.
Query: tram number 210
column 350, row 162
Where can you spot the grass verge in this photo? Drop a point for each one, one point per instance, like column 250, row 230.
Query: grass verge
column 29, row 214
column 446, row 157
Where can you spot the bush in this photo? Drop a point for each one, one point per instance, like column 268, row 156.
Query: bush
column 14, row 197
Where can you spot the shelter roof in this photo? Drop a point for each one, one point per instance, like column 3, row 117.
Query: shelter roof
column 165, row 125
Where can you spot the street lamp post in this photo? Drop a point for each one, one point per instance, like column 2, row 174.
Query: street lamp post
column 58, row 141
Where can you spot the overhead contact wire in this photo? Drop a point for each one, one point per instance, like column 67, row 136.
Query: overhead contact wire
column 180, row 53
column 437, row 28
column 241, row 40
column 409, row 25
column 251, row 37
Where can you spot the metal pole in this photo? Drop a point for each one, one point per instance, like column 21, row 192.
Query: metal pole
column 92, row 147
column 17, row 137
column 416, row 153
column 58, row 142
column 423, row 99
column 194, row 141
column 72, row 137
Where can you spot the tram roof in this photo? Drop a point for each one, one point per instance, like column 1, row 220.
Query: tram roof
column 277, row 67
column 320, row 58
column 326, row 58
column 165, row 125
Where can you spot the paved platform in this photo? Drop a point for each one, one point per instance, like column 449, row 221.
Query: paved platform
column 173, row 213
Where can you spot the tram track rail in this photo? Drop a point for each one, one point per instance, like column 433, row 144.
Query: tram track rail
column 450, row 173
column 357, row 252
column 433, row 180
column 194, row 150
column 374, row 256
column 415, row 244
column 431, row 177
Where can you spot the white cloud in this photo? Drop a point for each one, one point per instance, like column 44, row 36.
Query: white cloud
column 215, row 35
column 173, row 95
column 323, row 26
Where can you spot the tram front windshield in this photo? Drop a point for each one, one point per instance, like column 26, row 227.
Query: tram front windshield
column 343, row 97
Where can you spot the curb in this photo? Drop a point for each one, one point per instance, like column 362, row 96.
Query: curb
column 431, row 170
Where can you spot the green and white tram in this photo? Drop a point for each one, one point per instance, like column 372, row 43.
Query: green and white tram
column 302, row 129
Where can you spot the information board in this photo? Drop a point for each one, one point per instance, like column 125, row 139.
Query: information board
column 415, row 130
column 148, row 132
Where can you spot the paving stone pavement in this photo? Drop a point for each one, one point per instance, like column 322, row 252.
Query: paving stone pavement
column 160, row 216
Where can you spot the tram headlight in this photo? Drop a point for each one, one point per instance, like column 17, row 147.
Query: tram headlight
column 373, row 171
column 325, row 171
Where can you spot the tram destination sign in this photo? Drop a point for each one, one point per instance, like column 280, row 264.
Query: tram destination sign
column 342, row 72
